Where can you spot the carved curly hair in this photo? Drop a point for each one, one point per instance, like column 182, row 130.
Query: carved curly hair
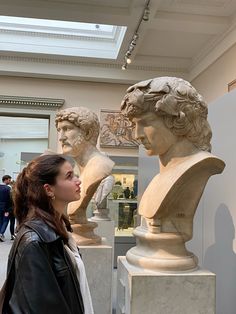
column 179, row 104
column 82, row 118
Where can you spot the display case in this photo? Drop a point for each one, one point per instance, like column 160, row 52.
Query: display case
column 122, row 201
column 123, row 212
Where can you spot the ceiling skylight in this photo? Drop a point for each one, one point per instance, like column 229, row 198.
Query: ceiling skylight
column 60, row 38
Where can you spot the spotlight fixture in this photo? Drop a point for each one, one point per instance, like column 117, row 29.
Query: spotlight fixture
column 133, row 42
column 127, row 57
column 146, row 14
column 124, row 66
column 128, row 60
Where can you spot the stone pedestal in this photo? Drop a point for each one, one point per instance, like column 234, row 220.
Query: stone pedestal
column 159, row 251
column 84, row 233
column 100, row 214
column 149, row 292
column 98, row 265
column 106, row 229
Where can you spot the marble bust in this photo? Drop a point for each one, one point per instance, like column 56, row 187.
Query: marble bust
column 100, row 199
column 78, row 129
column 170, row 119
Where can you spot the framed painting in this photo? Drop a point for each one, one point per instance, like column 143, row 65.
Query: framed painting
column 116, row 130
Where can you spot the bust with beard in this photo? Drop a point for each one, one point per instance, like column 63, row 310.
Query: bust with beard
column 79, row 129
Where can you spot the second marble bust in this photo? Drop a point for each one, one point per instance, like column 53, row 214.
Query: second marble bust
column 79, row 129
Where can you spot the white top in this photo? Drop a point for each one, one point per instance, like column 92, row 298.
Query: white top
column 72, row 250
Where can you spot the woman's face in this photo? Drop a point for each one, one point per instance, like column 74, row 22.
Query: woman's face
column 67, row 187
column 151, row 131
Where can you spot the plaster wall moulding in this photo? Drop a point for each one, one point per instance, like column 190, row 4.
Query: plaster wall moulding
column 170, row 69
column 46, row 103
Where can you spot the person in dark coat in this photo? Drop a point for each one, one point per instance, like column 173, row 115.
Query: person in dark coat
column 5, row 203
column 47, row 274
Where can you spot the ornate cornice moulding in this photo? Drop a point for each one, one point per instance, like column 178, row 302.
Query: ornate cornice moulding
column 84, row 62
column 49, row 103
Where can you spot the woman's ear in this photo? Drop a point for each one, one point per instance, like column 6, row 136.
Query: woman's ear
column 48, row 189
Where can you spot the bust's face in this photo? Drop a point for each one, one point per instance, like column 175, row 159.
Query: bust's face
column 151, row 131
column 72, row 138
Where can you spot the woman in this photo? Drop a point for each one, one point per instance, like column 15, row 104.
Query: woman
column 46, row 274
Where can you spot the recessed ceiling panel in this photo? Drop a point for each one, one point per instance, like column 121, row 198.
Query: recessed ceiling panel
column 172, row 44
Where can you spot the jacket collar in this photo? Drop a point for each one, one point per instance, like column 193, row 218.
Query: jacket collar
column 44, row 231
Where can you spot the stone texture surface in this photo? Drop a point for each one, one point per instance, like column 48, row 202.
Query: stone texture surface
column 101, row 212
column 106, row 229
column 98, row 265
column 149, row 292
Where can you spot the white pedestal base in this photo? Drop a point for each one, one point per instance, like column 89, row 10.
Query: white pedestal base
column 101, row 214
column 98, row 265
column 149, row 292
column 106, row 229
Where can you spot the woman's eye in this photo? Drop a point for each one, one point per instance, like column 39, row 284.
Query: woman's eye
column 70, row 176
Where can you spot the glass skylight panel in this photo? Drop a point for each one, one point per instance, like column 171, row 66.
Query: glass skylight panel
column 60, row 37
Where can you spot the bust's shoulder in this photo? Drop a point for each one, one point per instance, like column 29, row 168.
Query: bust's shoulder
column 195, row 160
column 201, row 159
column 178, row 177
column 99, row 164
column 100, row 158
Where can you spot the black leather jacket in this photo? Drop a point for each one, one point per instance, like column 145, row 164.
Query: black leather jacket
column 42, row 279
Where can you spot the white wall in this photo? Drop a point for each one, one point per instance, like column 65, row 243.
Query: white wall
column 94, row 96
column 219, row 246
column 213, row 82
column 11, row 161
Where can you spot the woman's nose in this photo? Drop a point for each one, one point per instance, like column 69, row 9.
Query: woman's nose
column 78, row 181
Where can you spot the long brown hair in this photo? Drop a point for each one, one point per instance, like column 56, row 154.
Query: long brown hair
column 30, row 198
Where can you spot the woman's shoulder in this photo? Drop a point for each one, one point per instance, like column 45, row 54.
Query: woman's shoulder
column 32, row 235
column 35, row 230
column 40, row 230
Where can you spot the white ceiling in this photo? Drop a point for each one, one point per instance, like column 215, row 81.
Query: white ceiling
column 181, row 38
